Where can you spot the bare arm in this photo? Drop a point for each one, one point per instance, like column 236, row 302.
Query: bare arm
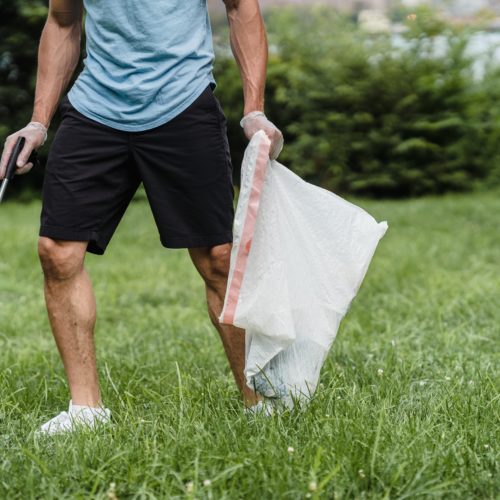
column 249, row 46
column 58, row 54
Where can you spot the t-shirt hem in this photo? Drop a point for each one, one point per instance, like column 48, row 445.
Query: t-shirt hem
column 147, row 126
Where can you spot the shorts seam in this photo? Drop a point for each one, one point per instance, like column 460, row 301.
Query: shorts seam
column 223, row 135
column 91, row 233
column 193, row 236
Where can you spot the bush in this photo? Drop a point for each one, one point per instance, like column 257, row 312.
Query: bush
column 18, row 56
column 364, row 116
column 360, row 114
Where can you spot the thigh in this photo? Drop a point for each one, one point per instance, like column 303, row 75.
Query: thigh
column 187, row 173
column 89, row 181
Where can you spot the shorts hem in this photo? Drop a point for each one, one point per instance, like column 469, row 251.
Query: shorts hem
column 208, row 240
column 70, row 234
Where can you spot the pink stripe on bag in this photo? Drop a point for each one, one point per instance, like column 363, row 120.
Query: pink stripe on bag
column 248, row 230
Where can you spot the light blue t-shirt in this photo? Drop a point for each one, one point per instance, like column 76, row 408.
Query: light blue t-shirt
column 147, row 61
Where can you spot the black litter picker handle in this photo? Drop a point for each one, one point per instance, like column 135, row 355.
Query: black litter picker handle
column 12, row 163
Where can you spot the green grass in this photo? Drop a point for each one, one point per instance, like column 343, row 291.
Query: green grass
column 427, row 314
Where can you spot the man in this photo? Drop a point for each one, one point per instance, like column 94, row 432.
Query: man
column 142, row 109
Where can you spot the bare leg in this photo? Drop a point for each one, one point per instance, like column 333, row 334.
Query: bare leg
column 213, row 266
column 71, row 309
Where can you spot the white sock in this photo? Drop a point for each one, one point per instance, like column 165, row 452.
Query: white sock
column 78, row 408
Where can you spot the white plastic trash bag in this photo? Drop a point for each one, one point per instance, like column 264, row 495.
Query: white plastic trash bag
column 299, row 256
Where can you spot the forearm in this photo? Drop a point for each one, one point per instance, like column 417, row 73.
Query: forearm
column 58, row 55
column 249, row 46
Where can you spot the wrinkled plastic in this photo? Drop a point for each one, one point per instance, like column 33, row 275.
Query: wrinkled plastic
column 298, row 259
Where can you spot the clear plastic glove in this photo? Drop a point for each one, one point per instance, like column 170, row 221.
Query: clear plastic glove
column 35, row 135
column 255, row 121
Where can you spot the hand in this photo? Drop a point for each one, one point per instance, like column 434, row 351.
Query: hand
column 35, row 135
column 255, row 121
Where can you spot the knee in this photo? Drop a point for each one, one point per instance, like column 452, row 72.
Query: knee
column 218, row 264
column 60, row 260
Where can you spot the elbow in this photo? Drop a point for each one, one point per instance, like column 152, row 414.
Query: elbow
column 63, row 32
column 68, row 19
column 231, row 4
column 63, row 24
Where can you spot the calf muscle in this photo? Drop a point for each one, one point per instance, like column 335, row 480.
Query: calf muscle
column 72, row 313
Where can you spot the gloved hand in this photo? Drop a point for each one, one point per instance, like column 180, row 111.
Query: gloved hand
column 35, row 135
column 255, row 121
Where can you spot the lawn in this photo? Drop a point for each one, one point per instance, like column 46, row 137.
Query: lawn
column 408, row 405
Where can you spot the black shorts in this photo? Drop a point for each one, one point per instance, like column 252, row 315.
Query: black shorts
column 94, row 170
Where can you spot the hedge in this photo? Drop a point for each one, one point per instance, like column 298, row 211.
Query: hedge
column 361, row 114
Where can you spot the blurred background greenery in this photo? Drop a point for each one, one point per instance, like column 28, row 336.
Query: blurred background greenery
column 402, row 108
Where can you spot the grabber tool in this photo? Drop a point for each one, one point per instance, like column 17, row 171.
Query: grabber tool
column 12, row 164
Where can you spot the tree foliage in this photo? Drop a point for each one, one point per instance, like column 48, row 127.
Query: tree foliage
column 369, row 116
column 20, row 29
column 361, row 114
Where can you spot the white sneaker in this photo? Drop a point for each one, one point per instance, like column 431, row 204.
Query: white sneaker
column 76, row 417
column 263, row 407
